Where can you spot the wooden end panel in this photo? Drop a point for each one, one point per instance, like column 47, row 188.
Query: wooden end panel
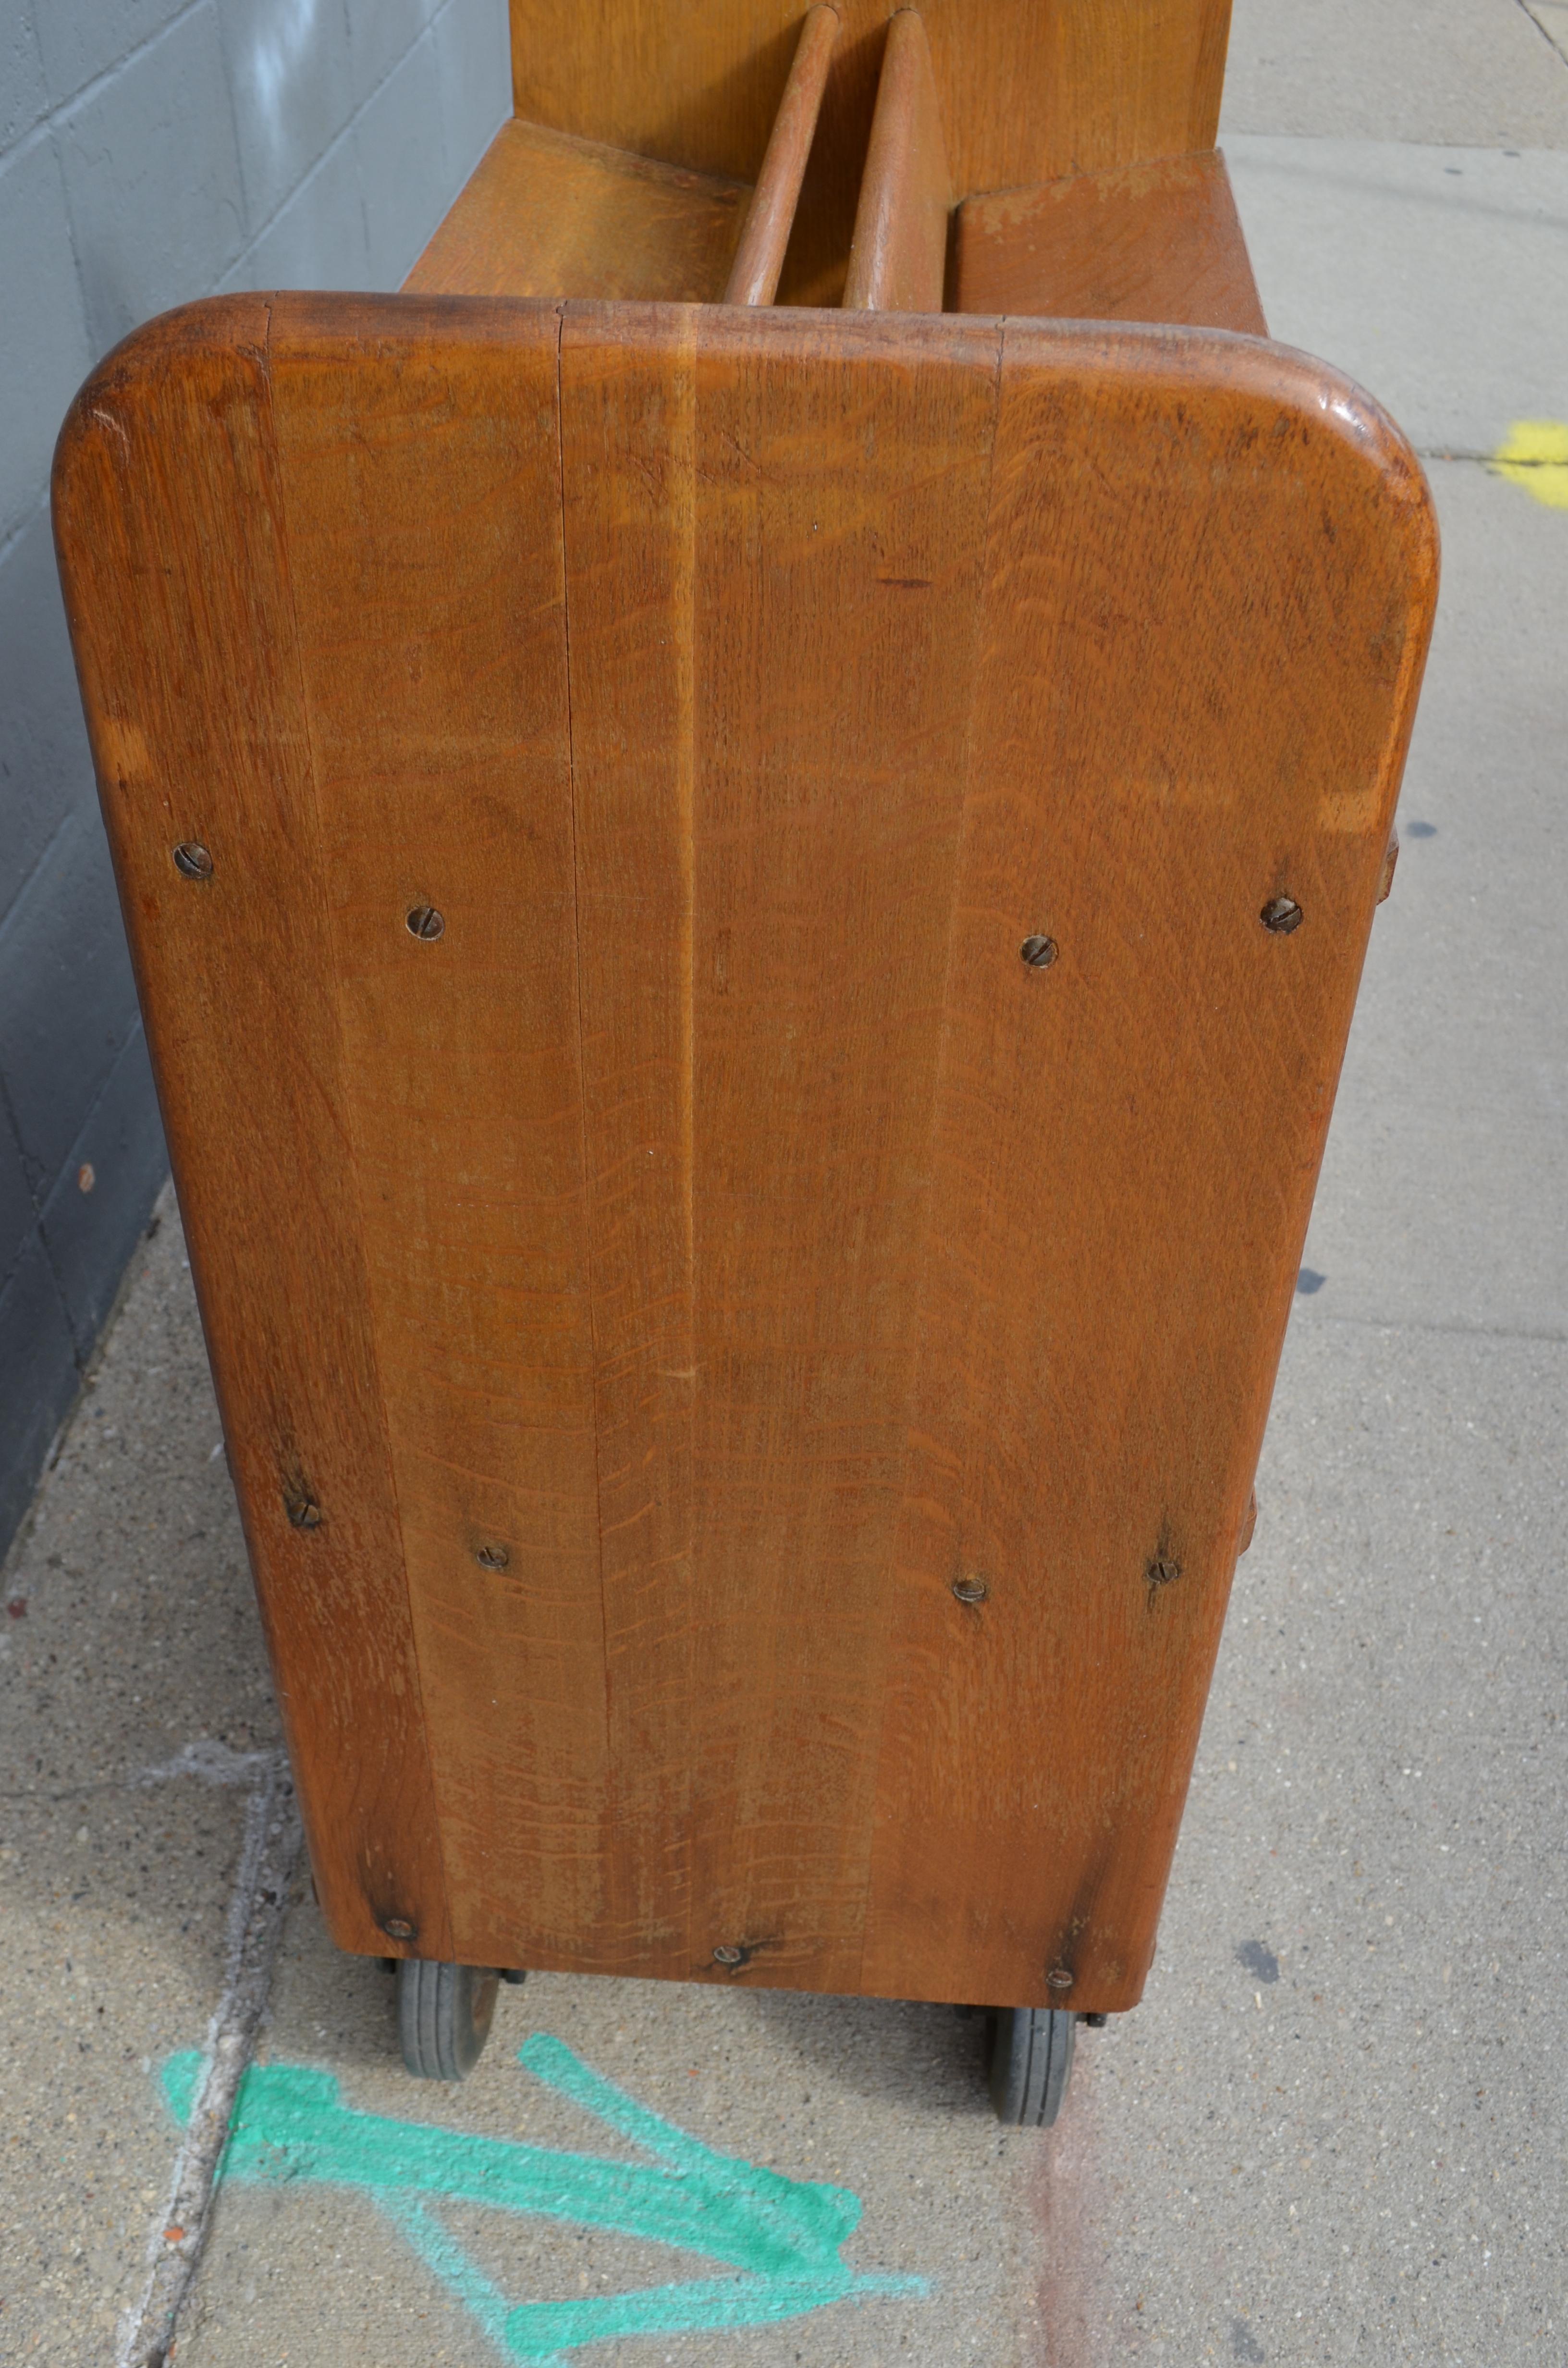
column 1208, row 589
column 759, row 258
column 427, row 566
column 1157, row 243
column 544, row 214
column 170, row 526
column 897, row 257
column 773, row 540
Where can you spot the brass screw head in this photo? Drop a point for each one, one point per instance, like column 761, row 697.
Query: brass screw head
column 1281, row 914
column 971, row 1589
column 193, row 860
column 1038, row 952
column 426, row 923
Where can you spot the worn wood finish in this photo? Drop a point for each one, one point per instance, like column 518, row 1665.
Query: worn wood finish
column 771, row 576
column 759, row 258
column 1143, row 243
column 174, row 551
column 1027, row 90
column 719, row 1218
column 898, row 256
column 425, row 559
column 1208, row 584
column 544, row 214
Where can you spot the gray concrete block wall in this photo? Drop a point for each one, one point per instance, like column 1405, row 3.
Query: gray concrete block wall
column 152, row 151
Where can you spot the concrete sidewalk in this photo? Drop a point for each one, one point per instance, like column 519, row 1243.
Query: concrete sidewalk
column 1334, row 2130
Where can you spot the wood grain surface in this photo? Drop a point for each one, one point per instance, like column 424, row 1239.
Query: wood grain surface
column 898, row 256
column 759, row 258
column 1203, row 629
column 174, row 550
column 1027, row 90
column 1142, row 242
column 544, row 214
column 717, row 1242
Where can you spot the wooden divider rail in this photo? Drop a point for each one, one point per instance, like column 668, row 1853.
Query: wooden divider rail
column 748, row 821
column 898, row 256
column 759, row 260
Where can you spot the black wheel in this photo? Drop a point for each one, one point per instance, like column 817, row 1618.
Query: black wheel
column 1028, row 2062
column 443, row 2015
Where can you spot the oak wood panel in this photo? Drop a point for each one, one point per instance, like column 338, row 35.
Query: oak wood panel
column 1143, row 243
column 772, row 545
column 1029, row 90
column 544, row 214
column 898, row 256
column 173, row 551
column 1209, row 586
column 759, row 258
column 718, row 1215
column 427, row 566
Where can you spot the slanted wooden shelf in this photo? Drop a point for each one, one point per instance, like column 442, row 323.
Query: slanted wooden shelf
column 546, row 213
column 1158, row 241
column 785, row 865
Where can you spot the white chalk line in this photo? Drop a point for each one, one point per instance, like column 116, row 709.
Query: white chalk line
column 269, row 1854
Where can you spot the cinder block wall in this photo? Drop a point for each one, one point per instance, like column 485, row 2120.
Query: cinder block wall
column 151, row 151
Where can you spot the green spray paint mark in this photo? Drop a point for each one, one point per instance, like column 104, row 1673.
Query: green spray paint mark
column 782, row 2235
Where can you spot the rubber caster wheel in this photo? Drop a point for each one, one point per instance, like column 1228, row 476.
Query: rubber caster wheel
column 1029, row 2052
column 443, row 2015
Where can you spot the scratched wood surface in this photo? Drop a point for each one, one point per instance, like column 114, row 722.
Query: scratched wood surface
column 771, row 577
column 425, row 559
column 1142, row 242
column 1027, row 90
column 173, row 548
column 544, row 214
column 1199, row 652
column 719, row 1219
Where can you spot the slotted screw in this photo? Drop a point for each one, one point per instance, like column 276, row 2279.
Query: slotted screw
column 193, row 860
column 1038, row 952
column 426, row 923
column 972, row 1590
column 1282, row 914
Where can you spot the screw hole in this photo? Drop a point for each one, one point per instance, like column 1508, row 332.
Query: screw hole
column 1282, row 914
column 1038, row 952
column 426, row 923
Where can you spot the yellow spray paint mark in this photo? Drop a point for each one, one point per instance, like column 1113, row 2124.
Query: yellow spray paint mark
column 1534, row 454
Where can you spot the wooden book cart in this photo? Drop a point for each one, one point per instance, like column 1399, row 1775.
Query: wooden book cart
column 747, row 882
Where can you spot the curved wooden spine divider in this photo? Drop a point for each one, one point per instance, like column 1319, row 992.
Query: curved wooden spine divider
column 759, row 258
column 899, row 254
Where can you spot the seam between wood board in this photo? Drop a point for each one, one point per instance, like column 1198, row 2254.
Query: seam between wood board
column 351, row 1150
column 608, row 1795
column 917, row 1362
